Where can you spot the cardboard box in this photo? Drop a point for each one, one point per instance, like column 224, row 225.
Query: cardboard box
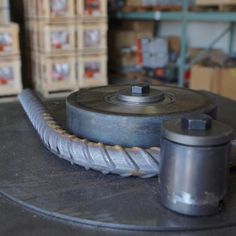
column 92, row 36
column 174, row 44
column 10, row 76
column 134, row 3
column 92, row 70
column 55, row 9
column 139, row 26
column 228, row 83
column 89, row 9
column 9, row 40
column 216, row 56
column 205, row 78
column 123, row 60
column 119, row 39
column 214, row 2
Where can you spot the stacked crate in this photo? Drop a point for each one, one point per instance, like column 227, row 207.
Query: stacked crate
column 50, row 28
column 65, row 51
column 10, row 65
column 92, row 42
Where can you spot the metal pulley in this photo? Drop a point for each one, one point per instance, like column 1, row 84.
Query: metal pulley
column 131, row 115
column 194, row 165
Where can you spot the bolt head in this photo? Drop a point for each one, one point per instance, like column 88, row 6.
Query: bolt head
column 197, row 122
column 140, row 89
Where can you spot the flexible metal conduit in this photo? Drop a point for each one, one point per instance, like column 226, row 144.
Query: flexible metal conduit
column 107, row 159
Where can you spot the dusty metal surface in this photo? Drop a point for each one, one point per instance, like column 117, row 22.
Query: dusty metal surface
column 33, row 177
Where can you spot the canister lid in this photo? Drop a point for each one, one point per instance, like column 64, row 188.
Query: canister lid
column 197, row 130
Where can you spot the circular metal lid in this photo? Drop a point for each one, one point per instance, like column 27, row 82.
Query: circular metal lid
column 197, row 130
column 139, row 100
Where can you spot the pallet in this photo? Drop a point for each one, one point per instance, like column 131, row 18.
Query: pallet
column 129, row 9
column 9, row 98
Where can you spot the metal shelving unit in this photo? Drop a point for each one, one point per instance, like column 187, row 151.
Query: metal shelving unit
column 184, row 17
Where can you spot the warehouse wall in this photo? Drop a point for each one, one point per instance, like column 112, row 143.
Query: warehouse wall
column 199, row 34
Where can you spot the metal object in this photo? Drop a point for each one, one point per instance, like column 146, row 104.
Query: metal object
column 131, row 116
column 37, row 180
column 107, row 159
column 194, row 165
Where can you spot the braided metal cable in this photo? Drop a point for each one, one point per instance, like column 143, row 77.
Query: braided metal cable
column 107, row 159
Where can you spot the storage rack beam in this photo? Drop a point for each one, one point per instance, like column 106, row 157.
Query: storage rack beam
column 183, row 47
column 177, row 16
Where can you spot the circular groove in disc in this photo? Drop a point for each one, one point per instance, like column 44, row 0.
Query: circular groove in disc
column 105, row 100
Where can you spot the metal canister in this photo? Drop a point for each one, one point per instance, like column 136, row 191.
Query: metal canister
column 194, row 164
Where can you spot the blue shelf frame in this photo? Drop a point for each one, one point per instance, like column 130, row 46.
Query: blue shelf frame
column 178, row 16
column 184, row 17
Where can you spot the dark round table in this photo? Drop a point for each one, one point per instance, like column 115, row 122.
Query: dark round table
column 43, row 195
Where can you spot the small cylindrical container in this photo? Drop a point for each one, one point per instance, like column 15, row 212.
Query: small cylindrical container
column 194, row 164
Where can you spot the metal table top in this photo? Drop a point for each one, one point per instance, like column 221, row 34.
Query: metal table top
column 44, row 195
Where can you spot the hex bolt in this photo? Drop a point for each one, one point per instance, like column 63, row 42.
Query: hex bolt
column 140, row 89
column 197, row 122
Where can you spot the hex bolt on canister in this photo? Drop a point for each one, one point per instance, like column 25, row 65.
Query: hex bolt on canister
column 194, row 165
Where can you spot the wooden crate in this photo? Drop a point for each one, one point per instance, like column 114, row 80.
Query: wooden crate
column 215, row 2
column 91, row 8
column 92, row 70
column 56, row 38
column 35, row 68
column 4, row 16
column 30, row 9
column 220, row 5
column 9, row 39
column 56, row 9
column 32, row 34
column 10, row 76
column 55, row 74
column 4, row 3
column 92, row 36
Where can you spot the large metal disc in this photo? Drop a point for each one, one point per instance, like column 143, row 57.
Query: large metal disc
column 131, row 115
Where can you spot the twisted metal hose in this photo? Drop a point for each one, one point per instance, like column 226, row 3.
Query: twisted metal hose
column 107, row 159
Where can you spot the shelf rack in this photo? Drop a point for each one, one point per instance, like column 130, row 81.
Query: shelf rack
column 184, row 17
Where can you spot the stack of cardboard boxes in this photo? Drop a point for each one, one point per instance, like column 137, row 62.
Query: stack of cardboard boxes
column 67, row 43
column 124, row 45
column 134, row 48
column 10, row 64
column 215, row 73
